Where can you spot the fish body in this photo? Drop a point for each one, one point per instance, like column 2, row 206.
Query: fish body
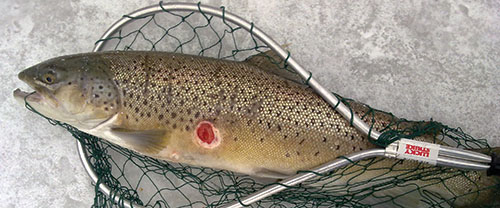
column 195, row 110
column 266, row 124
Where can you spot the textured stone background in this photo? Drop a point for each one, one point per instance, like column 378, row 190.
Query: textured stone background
column 419, row 60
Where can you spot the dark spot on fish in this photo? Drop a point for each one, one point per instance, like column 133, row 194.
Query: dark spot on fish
column 96, row 95
column 261, row 140
column 353, row 148
column 106, row 108
column 235, row 139
column 173, row 115
column 126, row 116
column 278, row 127
column 352, row 137
column 302, row 141
column 148, row 114
column 187, row 128
column 287, row 154
column 174, row 126
column 136, row 120
column 338, row 147
column 105, row 102
column 136, row 109
column 69, row 83
column 109, row 94
column 197, row 114
column 316, row 154
column 324, row 139
column 160, row 117
column 142, row 114
column 145, row 102
column 100, row 87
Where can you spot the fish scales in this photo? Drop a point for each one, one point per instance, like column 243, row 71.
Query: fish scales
column 275, row 123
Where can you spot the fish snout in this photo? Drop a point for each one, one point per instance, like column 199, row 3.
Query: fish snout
column 22, row 75
column 28, row 75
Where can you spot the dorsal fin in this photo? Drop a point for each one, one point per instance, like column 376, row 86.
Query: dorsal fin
column 271, row 62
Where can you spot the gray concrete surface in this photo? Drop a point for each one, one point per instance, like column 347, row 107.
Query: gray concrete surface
column 419, row 60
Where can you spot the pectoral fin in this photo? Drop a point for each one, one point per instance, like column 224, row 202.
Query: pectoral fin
column 148, row 141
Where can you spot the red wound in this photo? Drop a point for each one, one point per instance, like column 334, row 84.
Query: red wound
column 205, row 132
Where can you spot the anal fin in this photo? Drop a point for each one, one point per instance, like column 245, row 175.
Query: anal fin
column 267, row 173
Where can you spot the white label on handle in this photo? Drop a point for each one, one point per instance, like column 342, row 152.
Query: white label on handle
column 416, row 150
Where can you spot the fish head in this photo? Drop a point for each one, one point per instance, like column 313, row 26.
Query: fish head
column 76, row 90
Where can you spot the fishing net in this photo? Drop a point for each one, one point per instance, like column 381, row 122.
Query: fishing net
column 153, row 183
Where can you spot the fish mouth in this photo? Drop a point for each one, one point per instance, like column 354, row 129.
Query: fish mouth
column 27, row 97
column 32, row 97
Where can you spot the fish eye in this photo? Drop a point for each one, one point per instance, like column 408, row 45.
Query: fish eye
column 48, row 78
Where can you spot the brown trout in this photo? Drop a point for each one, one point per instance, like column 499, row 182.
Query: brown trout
column 207, row 112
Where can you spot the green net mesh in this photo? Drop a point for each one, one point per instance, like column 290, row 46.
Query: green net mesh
column 376, row 182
